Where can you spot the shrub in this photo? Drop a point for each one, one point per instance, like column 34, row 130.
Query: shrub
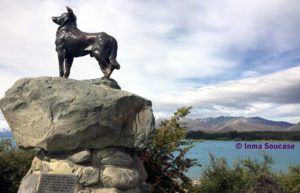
column 246, row 176
column 164, row 158
column 14, row 164
column 290, row 182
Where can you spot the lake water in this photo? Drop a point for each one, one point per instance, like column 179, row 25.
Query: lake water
column 228, row 149
column 282, row 157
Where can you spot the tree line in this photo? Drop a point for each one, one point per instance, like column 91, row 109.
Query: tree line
column 247, row 136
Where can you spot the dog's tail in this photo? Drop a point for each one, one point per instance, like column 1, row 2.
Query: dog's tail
column 113, row 54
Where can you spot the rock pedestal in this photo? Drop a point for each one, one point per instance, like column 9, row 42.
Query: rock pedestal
column 87, row 129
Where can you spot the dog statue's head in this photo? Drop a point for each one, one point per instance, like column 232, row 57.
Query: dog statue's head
column 65, row 18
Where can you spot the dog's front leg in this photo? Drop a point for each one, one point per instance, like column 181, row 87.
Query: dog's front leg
column 68, row 65
column 61, row 58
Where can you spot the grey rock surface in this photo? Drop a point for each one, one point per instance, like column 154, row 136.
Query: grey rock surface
column 139, row 166
column 80, row 157
column 105, row 81
column 114, row 190
column 90, row 176
column 84, row 191
column 59, row 114
column 29, row 184
column 114, row 156
column 121, row 178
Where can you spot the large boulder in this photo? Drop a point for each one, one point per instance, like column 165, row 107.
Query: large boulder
column 59, row 114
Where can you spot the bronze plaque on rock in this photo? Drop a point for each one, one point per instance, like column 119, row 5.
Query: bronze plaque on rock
column 57, row 183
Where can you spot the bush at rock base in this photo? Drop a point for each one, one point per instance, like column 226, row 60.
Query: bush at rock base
column 165, row 156
column 14, row 164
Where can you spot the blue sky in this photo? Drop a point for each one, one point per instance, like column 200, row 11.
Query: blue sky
column 227, row 57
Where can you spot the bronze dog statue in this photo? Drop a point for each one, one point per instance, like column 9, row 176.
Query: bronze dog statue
column 71, row 42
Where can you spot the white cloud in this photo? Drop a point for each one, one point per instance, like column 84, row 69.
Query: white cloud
column 275, row 95
column 160, row 43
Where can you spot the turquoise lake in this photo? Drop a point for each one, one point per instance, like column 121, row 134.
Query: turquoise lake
column 282, row 157
column 227, row 149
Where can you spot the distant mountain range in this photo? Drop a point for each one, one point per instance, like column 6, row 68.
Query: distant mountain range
column 5, row 132
column 222, row 124
column 295, row 127
column 225, row 124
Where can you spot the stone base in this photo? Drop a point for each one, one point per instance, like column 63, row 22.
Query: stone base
column 109, row 170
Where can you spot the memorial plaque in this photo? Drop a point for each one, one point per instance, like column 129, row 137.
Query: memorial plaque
column 57, row 183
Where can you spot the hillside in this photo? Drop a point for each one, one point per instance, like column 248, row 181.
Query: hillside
column 241, row 124
column 295, row 127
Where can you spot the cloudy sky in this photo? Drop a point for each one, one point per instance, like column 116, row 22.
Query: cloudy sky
column 229, row 57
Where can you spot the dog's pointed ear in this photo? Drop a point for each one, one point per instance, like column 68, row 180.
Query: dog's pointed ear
column 69, row 9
